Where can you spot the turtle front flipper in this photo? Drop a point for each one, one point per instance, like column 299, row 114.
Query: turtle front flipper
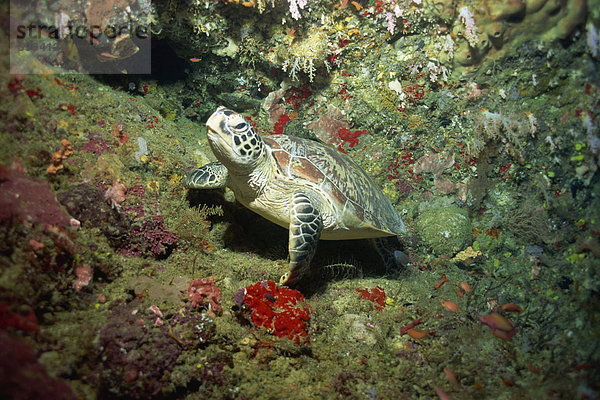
column 210, row 176
column 305, row 229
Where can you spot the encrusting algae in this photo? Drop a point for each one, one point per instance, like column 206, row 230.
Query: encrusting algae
column 478, row 121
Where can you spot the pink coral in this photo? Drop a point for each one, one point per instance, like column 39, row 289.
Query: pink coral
column 84, row 276
column 96, row 144
column 205, row 291
column 295, row 7
column 157, row 239
column 115, row 194
column 470, row 33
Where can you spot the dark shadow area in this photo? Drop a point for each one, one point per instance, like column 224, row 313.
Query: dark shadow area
column 251, row 233
column 166, row 67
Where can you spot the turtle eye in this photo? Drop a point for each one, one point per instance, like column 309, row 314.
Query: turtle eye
column 240, row 126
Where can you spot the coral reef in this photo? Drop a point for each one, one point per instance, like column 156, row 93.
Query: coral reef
column 57, row 158
column 479, row 120
column 510, row 131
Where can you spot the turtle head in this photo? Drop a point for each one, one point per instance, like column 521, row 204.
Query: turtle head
column 233, row 141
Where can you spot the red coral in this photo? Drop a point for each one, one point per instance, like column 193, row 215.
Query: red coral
column 297, row 95
column 350, row 137
column 16, row 88
column 280, row 124
column 66, row 107
column 282, row 311
column 119, row 133
column 202, row 291
column 25, row 322
column 376, row 295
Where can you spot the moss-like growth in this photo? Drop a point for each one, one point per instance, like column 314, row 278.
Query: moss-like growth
column 446, row 230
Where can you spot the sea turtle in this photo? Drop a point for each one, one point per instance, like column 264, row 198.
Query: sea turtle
column 311, row 189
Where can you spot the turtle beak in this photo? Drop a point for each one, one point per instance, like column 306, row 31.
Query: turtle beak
column 215, row 120
column 215, row 129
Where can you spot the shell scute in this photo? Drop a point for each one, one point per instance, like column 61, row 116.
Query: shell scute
column 347, row 185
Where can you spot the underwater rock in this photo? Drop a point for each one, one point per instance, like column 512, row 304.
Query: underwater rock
column 137, row 356
column 500, row 26
column 446, row 230
column 329, row 124
column 88, row 204
column 358, row 328
column 23, row 377
column 29, row 200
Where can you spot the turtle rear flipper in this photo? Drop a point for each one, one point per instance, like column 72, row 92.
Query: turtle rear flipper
column 210, row 176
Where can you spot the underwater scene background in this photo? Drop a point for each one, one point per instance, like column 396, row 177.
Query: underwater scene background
column 478, row 120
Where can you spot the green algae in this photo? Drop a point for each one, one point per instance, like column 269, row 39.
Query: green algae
column 544, row 205
column 446, row 230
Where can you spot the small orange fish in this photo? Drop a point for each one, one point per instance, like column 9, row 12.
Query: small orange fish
column 194, row 59
column 444, row 280
column 450, row 305
column 450, row 375
column 416, row 334
column 441, row 394
column 357, row 5
column 533, row 368
column 108, row 55
column 466, row 287
column 508, row 382
column 512, row 307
